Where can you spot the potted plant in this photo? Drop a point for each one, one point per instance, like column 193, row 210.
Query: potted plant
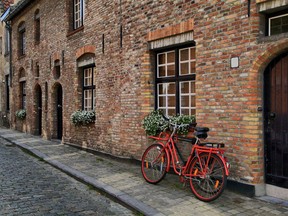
column 82, row 117
column 154, row 123
column 21, row 114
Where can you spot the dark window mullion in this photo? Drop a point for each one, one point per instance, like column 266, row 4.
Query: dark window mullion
column 177, row 108
column 92, row 87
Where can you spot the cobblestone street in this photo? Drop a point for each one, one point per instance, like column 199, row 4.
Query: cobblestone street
column 30, row 186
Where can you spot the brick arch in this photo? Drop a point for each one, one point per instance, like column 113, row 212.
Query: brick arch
column 56, row 56
column 268, row 55
column 84, row 50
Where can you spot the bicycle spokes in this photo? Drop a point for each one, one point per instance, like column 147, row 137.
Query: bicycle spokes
column 154, row 163
column 208, row 177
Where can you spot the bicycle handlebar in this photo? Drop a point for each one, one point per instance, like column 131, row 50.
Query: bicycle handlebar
column 175, row 125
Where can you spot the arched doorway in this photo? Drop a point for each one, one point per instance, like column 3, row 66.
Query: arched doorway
column 38, row 110
column 59, row 111
column 276, row 121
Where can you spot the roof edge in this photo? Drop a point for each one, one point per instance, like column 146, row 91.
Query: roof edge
column 17, row 9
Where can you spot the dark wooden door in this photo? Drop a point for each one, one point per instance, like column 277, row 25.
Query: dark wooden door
column 38, row 111
column 59, row 112
column 276, row 121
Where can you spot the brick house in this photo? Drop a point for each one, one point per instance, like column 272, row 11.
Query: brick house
column 4, row 62
column 225, row 61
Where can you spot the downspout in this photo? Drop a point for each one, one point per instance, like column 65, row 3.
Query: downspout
column 10, row 52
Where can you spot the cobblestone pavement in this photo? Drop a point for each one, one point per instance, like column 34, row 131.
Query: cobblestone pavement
column 29, row 186
column 123, row 181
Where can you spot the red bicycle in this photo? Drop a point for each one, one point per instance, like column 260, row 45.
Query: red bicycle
column 206, row 167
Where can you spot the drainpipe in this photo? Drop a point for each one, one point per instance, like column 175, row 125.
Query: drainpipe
column 10, row 52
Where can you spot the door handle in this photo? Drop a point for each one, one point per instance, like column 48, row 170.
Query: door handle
column 272, row 115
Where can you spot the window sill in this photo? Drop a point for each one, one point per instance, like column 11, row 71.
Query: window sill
column 272, row 38
column 70, row 33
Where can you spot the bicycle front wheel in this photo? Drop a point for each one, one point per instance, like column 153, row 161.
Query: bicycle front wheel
column 209, row 178
column 154, row 163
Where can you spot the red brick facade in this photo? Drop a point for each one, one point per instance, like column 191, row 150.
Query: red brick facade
column 227, row 98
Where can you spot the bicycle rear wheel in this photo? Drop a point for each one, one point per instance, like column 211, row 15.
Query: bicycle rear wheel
column 210, row 181
column 154, row 163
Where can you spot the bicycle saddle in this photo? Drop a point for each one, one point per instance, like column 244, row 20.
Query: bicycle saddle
column 201, row 132
column 202, row 129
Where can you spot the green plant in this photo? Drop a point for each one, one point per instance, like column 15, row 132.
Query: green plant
column 154, row 122
column 82, row 117
column 21, row 114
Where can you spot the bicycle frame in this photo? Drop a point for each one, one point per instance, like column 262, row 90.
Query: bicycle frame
column 167, row 141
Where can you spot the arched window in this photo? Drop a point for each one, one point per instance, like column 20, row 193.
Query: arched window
column 37, row 26
column 21, row 39
column 57, row 69
column 22, row 85
column 87, row 78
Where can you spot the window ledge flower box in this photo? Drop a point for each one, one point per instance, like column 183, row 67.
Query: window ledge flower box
column 21, row 114
column 82, row 117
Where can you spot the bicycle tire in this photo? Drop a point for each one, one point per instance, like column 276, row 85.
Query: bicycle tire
column 154, row 163
column 210, row 186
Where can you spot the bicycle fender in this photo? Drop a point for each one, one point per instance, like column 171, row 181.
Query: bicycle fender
column 225, row 165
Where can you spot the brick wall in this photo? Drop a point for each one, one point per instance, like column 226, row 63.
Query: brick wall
column 227, row 99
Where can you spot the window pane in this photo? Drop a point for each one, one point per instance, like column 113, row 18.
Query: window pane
column 171, row 88
column 161, row 58
column 171, row 112
column 185, row 112
column 171, row 57
column 161, row 89
column 192, row 53
column 184, row 68
column 167, row 96
column 162, row 101
column 170, row 70
column 184, row 87
column 193, row 101
column 171, row 101
column 187, row 96
column 162, row 71
column 184, row 54
column 192, row 67
column 94, row 99
column 88, row 77
column 276, row 30
column 88, row 99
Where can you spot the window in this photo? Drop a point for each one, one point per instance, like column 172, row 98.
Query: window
column 37, row 26
column 7, row 92
column 7, row 41
column 89, row 92
column 78, row 13
column 37, row 70
column 57, row 69
column 278, row 24
column 22, row 39
column 23, row 94
column 175, row 81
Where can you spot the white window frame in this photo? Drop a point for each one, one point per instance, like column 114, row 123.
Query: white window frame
column 163, row 82
column 78, row 13
column 89, row 89
column 271, row 18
